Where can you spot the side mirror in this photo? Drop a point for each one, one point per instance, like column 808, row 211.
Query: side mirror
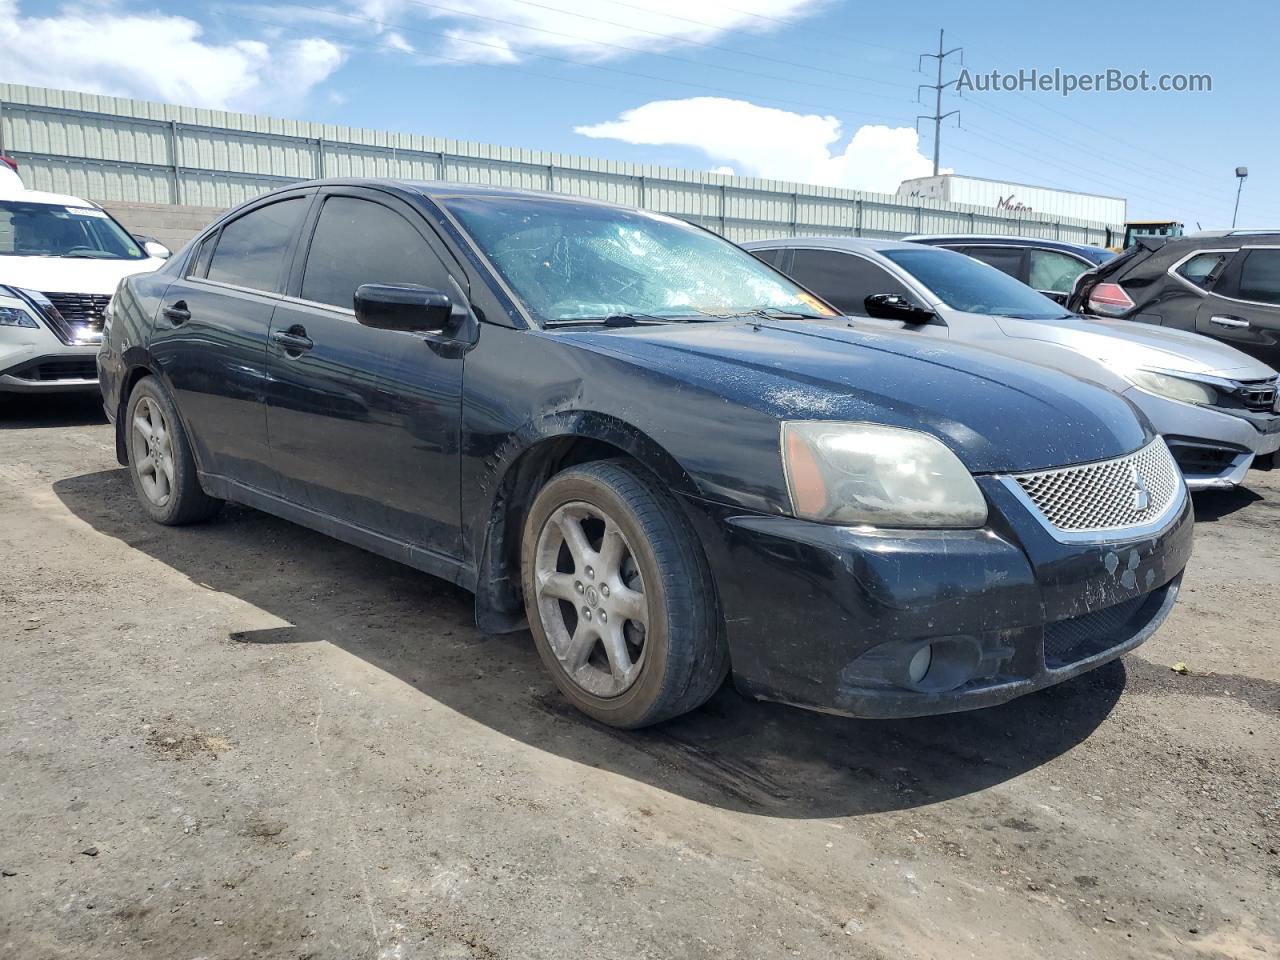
column 155, row 248
column 894, row 306
column 405, row 307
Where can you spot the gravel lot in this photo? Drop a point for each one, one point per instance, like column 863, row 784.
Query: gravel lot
column 248, row 740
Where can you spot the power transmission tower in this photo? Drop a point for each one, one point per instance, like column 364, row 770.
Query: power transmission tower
column 937, row 88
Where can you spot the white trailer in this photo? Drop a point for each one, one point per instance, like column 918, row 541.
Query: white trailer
column 1015, row 199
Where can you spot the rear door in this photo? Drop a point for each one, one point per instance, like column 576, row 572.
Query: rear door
column 1243, row 306
column 210, row 337
column 363, row 423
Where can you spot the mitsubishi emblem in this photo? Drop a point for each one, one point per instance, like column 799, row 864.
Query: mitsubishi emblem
column 1141, row 495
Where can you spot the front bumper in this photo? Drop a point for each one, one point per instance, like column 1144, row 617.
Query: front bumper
column 1214, row 447
column 829, row 617
column 34, row 360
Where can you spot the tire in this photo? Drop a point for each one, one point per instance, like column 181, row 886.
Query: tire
column 162, row 468
column 671, row 636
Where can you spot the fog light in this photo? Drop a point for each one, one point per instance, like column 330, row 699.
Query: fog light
column 920, row 663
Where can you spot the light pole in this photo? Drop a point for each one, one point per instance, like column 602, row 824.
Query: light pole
column 1242, row 174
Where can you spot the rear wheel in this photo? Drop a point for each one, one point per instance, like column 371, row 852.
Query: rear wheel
column 619, row 597
column 161, row 465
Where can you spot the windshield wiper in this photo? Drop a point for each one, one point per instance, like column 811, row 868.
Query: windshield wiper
column 618, row 320
column 768, row 313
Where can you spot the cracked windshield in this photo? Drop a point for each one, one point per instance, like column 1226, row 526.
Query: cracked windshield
column 579, row 262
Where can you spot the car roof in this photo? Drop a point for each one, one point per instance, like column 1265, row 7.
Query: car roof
column 1225, row 234
column 52, row 199
column 999, row 240
column 830, row 243
column 440, row 189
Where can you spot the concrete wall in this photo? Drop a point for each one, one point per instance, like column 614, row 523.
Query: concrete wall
column 171, row 224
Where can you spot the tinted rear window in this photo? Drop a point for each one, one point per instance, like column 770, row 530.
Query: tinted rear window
column 251, row 248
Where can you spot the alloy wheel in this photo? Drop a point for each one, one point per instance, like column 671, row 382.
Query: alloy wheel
column 591, row 598
column 155, row 467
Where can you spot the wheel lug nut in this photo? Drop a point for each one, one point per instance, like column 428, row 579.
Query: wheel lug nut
column 586, row 613
column 604, row 617
column 577, row 585
column 604, row 589
column 591, row 574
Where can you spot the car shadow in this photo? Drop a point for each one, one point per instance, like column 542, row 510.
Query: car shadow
column 1212, row 505
column 25, row 410
column 761, row 758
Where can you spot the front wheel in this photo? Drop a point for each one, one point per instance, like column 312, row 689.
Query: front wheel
column 619, row 597
column 161, row 464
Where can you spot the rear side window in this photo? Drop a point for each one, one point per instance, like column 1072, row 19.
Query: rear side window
column 771, row 257
column 1006, row 259
column 1203, row 268
column 1260, row 276
column 1053, row 271
column 843, row 279
column 359, row 241
column 251, row 248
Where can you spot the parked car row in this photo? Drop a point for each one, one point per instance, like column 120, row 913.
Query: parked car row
column 668, row 459
column 1215, row 406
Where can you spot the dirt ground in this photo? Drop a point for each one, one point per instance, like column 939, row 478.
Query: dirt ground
column 247, row 740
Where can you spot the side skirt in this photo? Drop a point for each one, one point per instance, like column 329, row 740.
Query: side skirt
column 436, row 564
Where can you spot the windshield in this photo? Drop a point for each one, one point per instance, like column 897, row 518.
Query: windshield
column 53, row 230
column 581, row 261
column 963, row 283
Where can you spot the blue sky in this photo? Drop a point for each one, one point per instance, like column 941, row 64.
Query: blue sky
column 818, row 91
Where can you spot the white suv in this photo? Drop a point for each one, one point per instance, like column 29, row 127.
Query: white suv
column 61, row 259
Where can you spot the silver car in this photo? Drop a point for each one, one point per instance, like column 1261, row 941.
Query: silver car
column 1216, row 407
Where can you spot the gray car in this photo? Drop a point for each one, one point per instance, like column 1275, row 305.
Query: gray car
column 1216, row 407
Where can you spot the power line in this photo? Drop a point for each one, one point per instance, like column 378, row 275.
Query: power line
column 618, row 46
column 696, row 43
column 566, row 60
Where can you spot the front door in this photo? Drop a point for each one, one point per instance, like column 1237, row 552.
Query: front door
column 363, row 424
column 210, row 338
column 845, row 280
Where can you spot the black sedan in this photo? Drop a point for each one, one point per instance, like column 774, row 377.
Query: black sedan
column 665, row 458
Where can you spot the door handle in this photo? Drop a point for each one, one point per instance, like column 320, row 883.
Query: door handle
column 294, row 340
column 1235, row 322
column 177, row 312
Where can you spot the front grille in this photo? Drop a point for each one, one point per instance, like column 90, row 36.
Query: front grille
column 88, row 309
column 1129, row 491
column 1258, row 395
column 1078, row 638
column 52, row 370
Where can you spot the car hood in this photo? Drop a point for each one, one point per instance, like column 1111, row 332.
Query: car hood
column 997, row 414
column 71, row 274
column 1126, row 343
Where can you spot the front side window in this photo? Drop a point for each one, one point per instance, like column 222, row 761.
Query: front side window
column 963, row 283
column 359, row 241
column 1260, row 276
column 582, row 261
column 843, row 279
column 250, row 250
column 54, row 230
column 1053, row 271
column 1203, row 268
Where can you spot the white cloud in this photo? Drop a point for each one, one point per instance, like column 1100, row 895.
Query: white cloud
column 768, row 142
column 506, row 31
column 103, row 49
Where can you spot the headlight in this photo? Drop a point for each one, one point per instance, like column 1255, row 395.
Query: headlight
column 13, row 317
column 864, row 473
column 1175, row 388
